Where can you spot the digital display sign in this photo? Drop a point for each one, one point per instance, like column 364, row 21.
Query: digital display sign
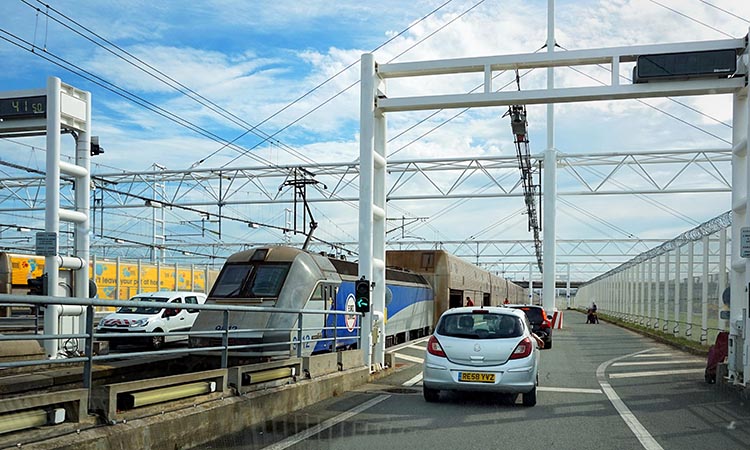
column 23, row 107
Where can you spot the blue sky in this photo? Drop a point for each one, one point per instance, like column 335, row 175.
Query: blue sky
column 254, row 58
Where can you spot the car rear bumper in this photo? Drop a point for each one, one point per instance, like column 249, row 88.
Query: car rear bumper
column 511, row 378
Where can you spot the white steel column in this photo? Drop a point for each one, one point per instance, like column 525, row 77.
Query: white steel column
column 372, row 160
column 665, row 326
column 723, row 323
column 657, row 292
column 52, row 211
column 378, row 236
column 531, row 283
column 644, row 286
column 690, row 282
column 567, row 289
column 740, row 273
column 704, row 292
column 550, row 179
column 366, row 176
column 649, row 291
column 677, row 274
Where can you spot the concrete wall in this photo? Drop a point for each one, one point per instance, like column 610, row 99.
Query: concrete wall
column 197, row 424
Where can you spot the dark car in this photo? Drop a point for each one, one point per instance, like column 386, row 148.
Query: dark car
column 541, row 325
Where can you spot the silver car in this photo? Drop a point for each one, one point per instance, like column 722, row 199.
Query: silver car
column 487, row 349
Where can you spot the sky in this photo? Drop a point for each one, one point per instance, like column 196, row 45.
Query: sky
column 292, row 69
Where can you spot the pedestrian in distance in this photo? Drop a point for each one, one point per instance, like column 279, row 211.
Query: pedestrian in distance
column 469, row 301
column 591, row 316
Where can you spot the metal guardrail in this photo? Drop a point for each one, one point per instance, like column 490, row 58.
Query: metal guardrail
column 87, row 356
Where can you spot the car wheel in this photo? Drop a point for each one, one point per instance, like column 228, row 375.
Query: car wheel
column 529, row 398
column 157, row 342
column 548, row 344
column 430, row 395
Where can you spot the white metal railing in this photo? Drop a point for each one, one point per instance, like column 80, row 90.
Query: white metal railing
column 87, row 357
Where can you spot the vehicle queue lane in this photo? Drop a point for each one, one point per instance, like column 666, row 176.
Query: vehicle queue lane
column 677, row 410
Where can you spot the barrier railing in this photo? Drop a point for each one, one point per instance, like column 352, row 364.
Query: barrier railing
column 87, row 355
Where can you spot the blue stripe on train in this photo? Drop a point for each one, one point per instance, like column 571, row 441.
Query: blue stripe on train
column 397, row 299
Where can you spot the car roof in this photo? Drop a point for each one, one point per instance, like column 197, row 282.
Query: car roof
column 169, row 294
column 489, row 309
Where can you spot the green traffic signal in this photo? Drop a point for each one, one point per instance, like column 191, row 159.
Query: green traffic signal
column 362, row 294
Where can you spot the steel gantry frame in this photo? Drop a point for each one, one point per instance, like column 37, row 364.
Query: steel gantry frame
column 375, row 104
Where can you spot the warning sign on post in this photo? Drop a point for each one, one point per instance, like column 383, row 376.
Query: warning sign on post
column 46, row 243
column 745, row 242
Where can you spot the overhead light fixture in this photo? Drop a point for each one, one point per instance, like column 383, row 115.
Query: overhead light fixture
column 119, row 241
column 253, row 225
column 23, row 229
column 132, row 400
column 153, row 204
column 31, row 419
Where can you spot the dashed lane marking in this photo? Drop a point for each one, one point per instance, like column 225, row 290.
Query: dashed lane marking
column 409, row 358
column 414, row 380
column 655, row 373
column 656, row 363
column 653, row 355
column 312, row 431
column 569, row 390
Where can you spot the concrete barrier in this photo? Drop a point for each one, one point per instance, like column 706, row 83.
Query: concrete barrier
column 104, row 399
column 192, row 426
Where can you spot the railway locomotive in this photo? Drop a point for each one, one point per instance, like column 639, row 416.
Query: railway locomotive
column 289, row 279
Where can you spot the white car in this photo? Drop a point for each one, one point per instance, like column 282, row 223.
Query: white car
column 484, row 349
column 157, row 319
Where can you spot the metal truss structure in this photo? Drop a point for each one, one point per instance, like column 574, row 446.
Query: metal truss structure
column 208, row 190
column 207, row 194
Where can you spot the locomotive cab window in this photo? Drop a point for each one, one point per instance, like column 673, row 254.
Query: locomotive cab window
column 231, row 280
column 258, row 280
column 268, row 280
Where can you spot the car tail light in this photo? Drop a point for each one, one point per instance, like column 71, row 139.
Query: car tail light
column 523, row 349
column 545, row 324
column 434, row 348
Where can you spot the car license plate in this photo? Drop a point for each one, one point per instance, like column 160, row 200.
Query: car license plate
column 476, row 377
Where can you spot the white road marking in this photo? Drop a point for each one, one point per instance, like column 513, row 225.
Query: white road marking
column 409, row 358
column 653, row 355
column 414, row 380
column 570, row 390
column 655, row 373
column 312, row 431
column 644, row 437
column 656, row 363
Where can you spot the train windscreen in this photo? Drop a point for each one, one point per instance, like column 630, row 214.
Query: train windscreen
column 254, row 280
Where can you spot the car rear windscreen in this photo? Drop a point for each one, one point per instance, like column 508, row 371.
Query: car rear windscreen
column 534, row 314
column 480, row 326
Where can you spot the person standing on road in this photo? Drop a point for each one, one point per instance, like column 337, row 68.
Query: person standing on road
column 469, row 301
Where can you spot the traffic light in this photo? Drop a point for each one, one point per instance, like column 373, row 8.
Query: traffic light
column 362, row 294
